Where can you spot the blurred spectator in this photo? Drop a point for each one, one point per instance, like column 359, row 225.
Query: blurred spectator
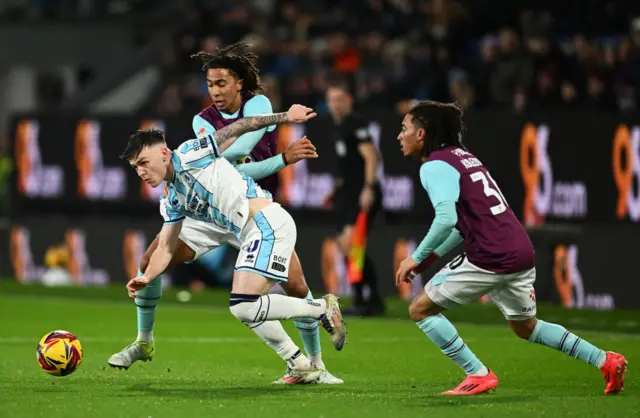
column 512, row 54
column 514, row 68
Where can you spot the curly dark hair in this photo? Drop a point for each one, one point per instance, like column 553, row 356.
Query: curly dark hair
column 239, row 60
column 442, row 123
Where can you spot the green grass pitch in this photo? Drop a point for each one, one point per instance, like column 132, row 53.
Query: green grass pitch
column 209, row 365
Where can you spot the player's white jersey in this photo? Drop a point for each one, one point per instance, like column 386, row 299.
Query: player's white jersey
column 207, row 187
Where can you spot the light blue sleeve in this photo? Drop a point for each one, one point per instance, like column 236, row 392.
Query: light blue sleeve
column 442, row 183
column 261, row 169
column 449, row 244
column 257, row 105
column 169, row 214
column 202, row 128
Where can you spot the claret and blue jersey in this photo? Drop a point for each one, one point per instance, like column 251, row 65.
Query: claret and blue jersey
column 258, row 147
column 469, row 206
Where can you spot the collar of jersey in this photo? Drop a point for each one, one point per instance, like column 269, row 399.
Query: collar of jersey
column 230, row 116
column 175, row 161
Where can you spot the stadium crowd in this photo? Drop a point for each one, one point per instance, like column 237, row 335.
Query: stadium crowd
column 479, row 53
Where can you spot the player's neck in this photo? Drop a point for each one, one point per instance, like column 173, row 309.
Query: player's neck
column 234, row 106
column 170, row 172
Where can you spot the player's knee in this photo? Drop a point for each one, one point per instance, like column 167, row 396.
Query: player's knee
column 241, row 311
column 244, row 307
column 417, row 311
column 421, row 307
column 523, row 329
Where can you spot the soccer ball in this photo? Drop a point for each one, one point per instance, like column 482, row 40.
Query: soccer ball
column 59, row 353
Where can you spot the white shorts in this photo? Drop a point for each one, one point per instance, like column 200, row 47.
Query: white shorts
column 202, row 237
column 461, row 282
column 267, row 243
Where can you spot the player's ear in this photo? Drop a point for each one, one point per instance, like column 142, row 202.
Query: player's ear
column 421, row 135
column 239, row 85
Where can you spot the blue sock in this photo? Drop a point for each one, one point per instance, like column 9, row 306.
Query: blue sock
column 146, row 302
column 444, row 335
column 556, row 336
column 310, row 333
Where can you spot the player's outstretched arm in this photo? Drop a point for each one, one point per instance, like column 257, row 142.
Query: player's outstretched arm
column 299, row 150
column 226, row 136
column 441, row 181
column 167, row 244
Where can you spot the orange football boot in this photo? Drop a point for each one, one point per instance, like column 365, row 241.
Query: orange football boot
column 613, row 371
column 474, row 385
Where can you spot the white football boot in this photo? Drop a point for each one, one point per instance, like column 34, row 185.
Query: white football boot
column 332, row 321
column 139, row 350
column 300, row 376
column 327, row 378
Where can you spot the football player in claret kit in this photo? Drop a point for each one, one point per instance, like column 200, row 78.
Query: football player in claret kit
column 235, row 88
column 499, row 258
column 201, row 185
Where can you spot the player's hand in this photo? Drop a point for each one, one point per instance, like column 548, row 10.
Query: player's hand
column 300, row 150
column 135, row 284
column 367, row 197
column 299, row 113
column 406, row 271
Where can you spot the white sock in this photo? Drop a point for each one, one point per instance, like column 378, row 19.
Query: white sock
column 483, row 371
column 299, row 361
column 274, row 335
column 254, row 309
column 285, row 307
column 316, row 360
column 146, row 336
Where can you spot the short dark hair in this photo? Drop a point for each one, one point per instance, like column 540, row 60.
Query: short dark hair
column 237, row 59
column 442, row 123
column 140, row 139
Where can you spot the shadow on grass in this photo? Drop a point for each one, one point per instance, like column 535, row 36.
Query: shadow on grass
column 229, row 392
column 483, row 399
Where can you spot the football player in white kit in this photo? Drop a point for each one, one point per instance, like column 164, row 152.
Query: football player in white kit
column 202, row 186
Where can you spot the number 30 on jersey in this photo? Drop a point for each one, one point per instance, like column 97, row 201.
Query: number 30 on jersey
column 487, row 182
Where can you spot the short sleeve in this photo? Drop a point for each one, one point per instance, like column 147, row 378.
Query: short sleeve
column 259, row 105
column 441, row 181
column 203, row 149
column 202, row 128
column 169, row 214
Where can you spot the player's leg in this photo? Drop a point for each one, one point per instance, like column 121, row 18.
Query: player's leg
column 252, row 306
column 196, row 238
column 375, row 305
column 143, row 348
column 267, row 247
column 456, row 284
column 309, row 330
column 147, row 299
column 517, row 302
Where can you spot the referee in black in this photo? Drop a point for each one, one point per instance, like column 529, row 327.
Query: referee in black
column 357, row 188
